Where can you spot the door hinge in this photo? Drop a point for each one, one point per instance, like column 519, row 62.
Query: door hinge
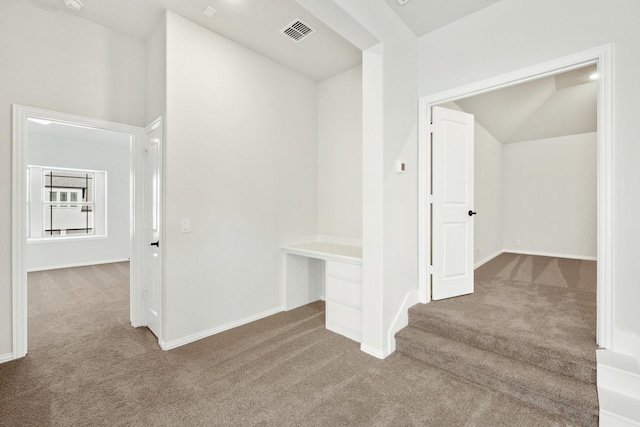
column 144, row 295
column 431, row 270
column 430, row 199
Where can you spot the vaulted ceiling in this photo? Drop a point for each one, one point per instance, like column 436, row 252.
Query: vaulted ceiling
column 255, row 24
column 425, row 16
column 560, row 105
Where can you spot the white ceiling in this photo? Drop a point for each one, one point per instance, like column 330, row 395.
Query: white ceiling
column 255, row 24
column 425, row 16
column 560, row 105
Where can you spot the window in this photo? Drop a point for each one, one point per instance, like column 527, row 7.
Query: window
column 63, row 202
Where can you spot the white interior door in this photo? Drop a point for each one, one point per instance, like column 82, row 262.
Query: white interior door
column 453, row 214
column 152, row 203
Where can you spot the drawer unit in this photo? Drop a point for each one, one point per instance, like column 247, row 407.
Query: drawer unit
column 345, row 270
column 343, row 282
column 344, row 320
column 344, row 292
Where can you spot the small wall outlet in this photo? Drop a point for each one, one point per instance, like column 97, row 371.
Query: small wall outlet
column 185, row 226
column 401, row 167
column 517, row 242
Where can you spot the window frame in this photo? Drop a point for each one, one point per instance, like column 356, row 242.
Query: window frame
column 40, row 201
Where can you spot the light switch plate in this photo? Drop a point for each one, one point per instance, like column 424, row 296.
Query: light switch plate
column 186, row 225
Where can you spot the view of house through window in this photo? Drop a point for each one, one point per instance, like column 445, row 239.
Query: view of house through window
column 63, row 202
column 61, row 217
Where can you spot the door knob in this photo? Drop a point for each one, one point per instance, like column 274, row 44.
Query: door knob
column 157, row 244
column 471, row 213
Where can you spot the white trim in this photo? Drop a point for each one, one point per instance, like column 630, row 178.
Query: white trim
column 7, row 357
column 45, row 240
column 425, row 200
column 139, row 306
column 609, row 419
column 619, row 373
column 374, row 351
column 341, row 330
column 21, row 114
column 80, row 264
column 19, row 234
column 487, row 259
column 204, row 334
column 324, row 255
column 620, row 410
column 603, row 57
column 550, row 254
column 402, row 318
column 72, row 237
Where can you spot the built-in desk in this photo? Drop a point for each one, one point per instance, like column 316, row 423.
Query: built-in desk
column 313, row 267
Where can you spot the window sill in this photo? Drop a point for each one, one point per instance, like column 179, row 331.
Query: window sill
column 65, row 239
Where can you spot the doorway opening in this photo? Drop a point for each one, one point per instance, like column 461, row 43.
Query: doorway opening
column 600, row 58
column 63, row 212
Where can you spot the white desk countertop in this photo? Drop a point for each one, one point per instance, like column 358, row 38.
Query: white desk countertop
column 327, row 251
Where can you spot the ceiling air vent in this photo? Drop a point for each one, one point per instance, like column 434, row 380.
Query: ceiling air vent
column 297, row 30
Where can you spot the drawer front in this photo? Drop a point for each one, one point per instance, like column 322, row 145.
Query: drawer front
column 344, row 316
column 345, row 270
column 344, row 292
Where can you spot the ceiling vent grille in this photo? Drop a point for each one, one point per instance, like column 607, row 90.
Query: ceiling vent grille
column 297, row 30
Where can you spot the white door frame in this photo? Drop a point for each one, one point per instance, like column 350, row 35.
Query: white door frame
column 603, row 57
column 19, row 208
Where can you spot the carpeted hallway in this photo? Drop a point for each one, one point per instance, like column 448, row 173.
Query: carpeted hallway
column 87, row 366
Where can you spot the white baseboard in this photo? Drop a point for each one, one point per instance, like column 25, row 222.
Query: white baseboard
column 204, row 334
column 402, row 318
column 375, row 352
column 618, row 389
column 6, row 357
column 617, row 410
column 550, row 254
column 79, row 264
column 619, row 373
column 487, row 259
column 607, row 419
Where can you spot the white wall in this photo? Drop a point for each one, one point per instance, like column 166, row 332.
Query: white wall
column 489, row 186
column 56, row 61
column 112, row 157
column 340, row 155
column 514, row 34
column 241, row 163
column 156, row 89
column 389, row 199
column 550, row 196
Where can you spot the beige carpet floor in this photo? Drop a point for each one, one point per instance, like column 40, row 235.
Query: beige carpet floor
column 528, row 330
column 87, row 366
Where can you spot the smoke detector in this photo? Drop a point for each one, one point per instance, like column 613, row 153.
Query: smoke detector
column 73, row 4
column 297, row 30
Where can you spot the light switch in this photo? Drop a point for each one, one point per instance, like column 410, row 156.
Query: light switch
column 186, row 225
